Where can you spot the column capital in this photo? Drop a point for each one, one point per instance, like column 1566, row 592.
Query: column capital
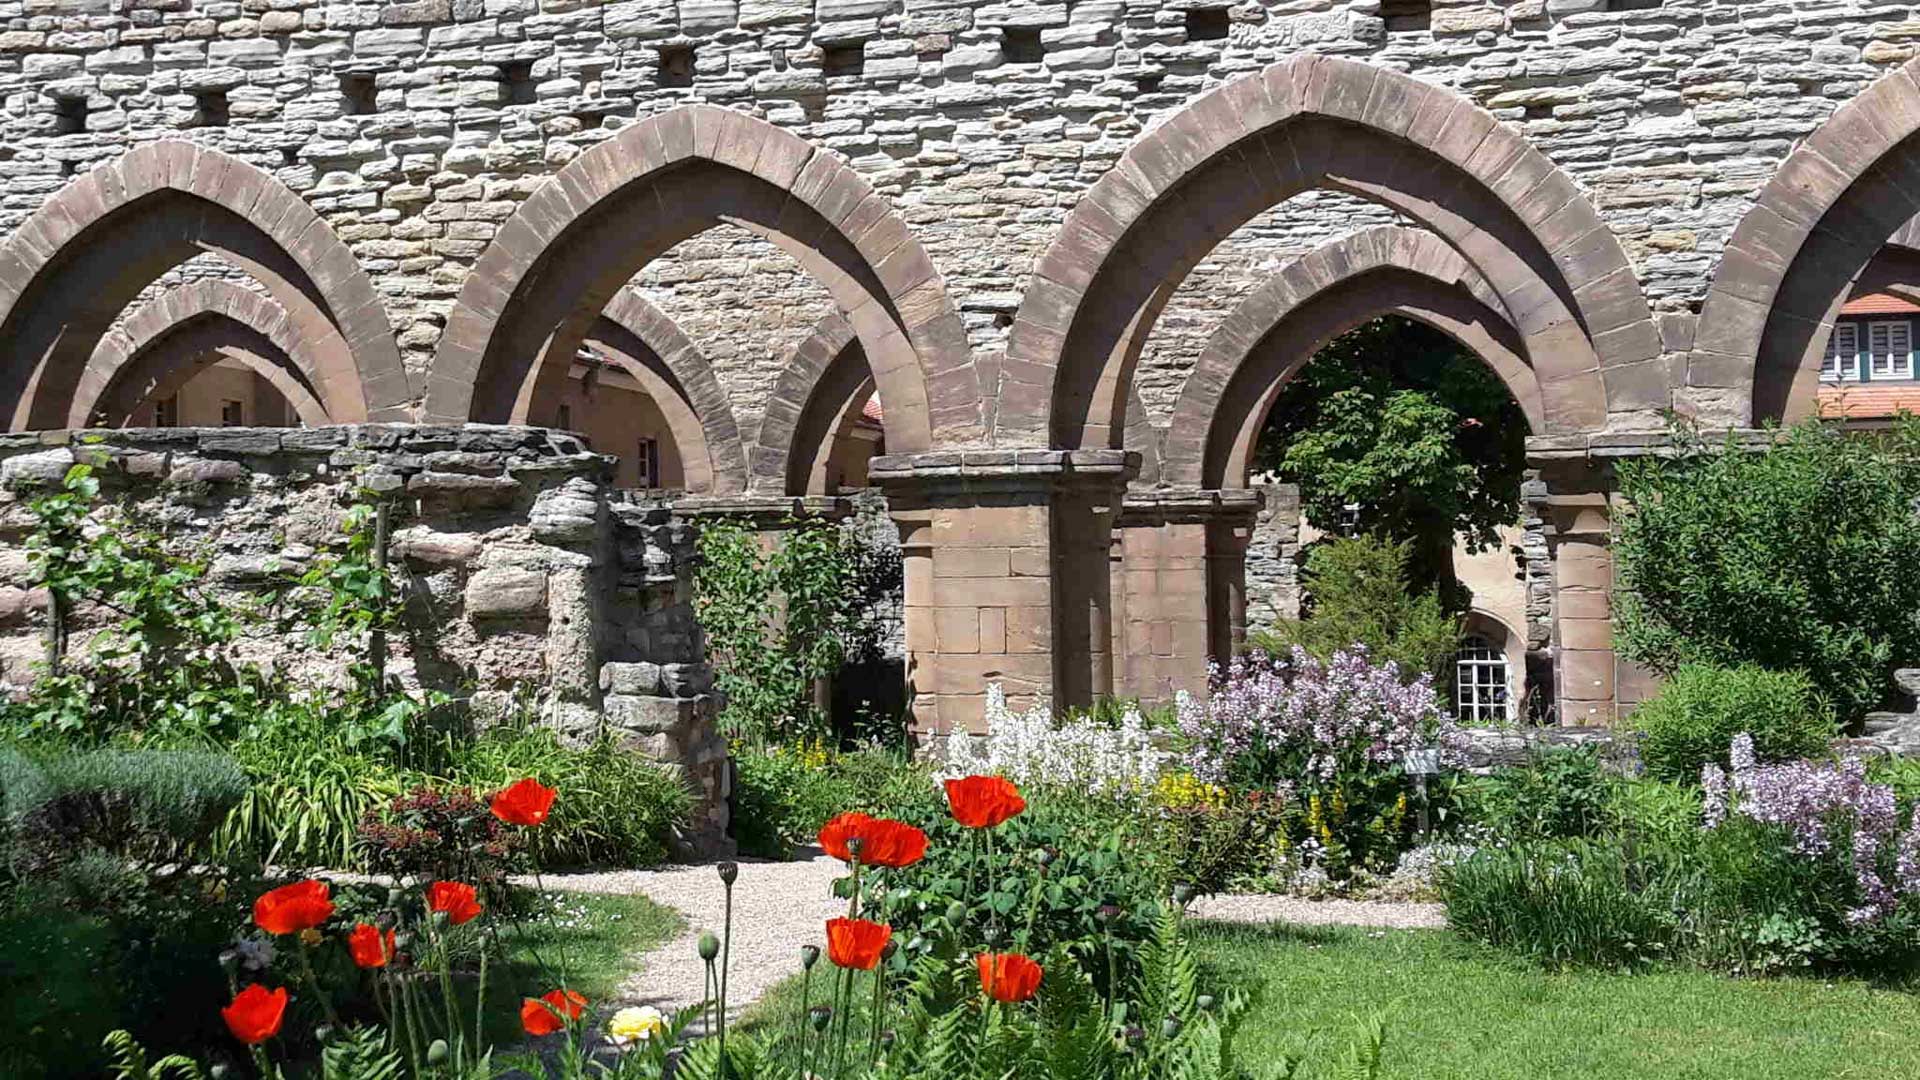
column 764, row 511
column 1003, row 471
column 1168, row 505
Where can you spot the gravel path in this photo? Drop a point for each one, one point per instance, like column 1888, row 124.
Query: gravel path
column 1257, row 909
column 777, row 908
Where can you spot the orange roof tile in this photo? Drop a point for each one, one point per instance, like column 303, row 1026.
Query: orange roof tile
column 1879, row 304
column 1868, row 401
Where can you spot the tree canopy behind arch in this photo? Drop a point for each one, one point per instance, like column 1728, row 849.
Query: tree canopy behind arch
column 1400, row 422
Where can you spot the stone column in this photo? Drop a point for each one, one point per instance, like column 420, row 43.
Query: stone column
column 1184, row 581
column 1273, row 558
column 1006, row 562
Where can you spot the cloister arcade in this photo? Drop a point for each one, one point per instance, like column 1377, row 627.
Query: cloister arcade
column 1056, row 539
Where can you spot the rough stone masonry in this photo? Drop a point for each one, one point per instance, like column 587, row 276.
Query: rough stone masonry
column 1628, row 205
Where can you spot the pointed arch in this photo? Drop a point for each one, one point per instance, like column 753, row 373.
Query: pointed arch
column 571, row 245
column 1316, row 121
column 168, row 340
column 826, row 375
column 1848, row 190
column 1289, row 318
column 85, row 255
column 649, row 345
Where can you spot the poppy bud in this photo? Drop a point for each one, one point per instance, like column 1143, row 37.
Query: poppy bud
column 437, row 1053
column 229, row 960
column 820, row 1016
column 1170, row 1027
column 854, row 846
column 957, row 913
column 709, row 946
column 887, row 950
column 729, row 872
column 395, row 897
column 1183, row 894
column 809, row 956
column 1044, row 857
column 1205, row 1001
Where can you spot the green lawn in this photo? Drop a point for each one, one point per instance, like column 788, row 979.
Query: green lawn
column 596, row 939
column 1456, row 1011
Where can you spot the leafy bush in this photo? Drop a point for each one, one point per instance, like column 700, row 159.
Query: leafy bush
column 1690, row 722
column 1797, row 556
column 620, row 808
column 776, row 622
column 1361, row 593
column 783, row 794
column 1563, row 903
column 1563, row 793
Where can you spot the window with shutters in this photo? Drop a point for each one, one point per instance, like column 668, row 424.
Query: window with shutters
column 1843, row 353
column 1891, row 346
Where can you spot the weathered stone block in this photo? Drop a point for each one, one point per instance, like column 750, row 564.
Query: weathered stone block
column 507, row 592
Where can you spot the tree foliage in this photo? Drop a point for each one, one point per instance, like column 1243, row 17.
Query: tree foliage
column 1397, row 419
column 1797, row 556
column 1361, row 592
column 777, row 620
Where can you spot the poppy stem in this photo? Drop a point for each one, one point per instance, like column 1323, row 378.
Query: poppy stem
column 879, row 1007
column 726, row 951
column 306, row 971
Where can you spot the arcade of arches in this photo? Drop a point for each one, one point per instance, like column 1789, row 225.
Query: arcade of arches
column 1058, row 536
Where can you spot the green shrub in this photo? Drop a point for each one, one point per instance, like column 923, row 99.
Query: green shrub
column 1565, row 903
column 1359, row 593
column 310, row 790
column 783, row 794
column 1561, row 793
column 145, row 805
column 1694, row 717
column 615, row 808
column 1796, row 557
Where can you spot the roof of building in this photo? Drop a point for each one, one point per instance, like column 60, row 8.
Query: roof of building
column 1880, row 304
column 1868, row 401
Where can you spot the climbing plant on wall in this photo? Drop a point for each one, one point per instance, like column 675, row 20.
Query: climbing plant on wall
column 776, row 617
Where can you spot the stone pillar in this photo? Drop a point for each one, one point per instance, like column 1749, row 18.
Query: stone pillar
column 1273, row 558
column 1184, row 586
column 1007, row 567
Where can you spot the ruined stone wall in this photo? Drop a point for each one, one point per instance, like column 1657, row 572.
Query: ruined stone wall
column 414, row 126
column 523, row 573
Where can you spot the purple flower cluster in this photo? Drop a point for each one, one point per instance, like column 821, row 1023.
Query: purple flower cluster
column 1344, row 712
column 1820, row 805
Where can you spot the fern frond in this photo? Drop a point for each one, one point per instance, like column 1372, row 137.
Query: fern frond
column 360, row 1053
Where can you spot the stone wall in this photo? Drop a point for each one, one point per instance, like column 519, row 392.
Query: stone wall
column 520, row 568
column 415, row 126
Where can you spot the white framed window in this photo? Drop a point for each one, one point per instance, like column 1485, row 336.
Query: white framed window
column 1843, row 353
column 1482, row 683
column 1890, row 345
column 646, row 459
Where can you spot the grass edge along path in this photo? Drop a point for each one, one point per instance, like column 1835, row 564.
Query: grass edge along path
column 1459, row 1011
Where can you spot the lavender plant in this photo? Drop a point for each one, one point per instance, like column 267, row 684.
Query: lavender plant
column 1825, row 811
column 1329, row 736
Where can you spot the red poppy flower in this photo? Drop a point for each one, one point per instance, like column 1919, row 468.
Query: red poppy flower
column 981, row 802
column 857, row 943
column 371, row 948
column 254, row 1017
column 551, row 1011
column 525, row 803
column 1008, row 977
column 883, row 841
column 456, row 898
column 290, row 909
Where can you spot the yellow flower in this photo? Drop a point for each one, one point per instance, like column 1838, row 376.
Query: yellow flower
column 635, row 1024
column 310, row 937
